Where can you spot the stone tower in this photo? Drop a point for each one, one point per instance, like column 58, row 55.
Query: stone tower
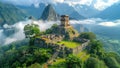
column 65, row 20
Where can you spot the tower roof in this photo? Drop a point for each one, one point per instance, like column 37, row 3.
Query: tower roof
column 64, row 16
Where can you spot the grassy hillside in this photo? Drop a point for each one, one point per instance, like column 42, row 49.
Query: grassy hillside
column 29, row 56
column 9, row 14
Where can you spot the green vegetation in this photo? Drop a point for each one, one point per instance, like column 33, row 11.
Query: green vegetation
column 88, row 35
column 53, row 29
column 58, row 61
column 31, row 30
column 69, row 32
column 73, row 62
column 94, row 63
column 27, row 56
column 24, row 56
column 97, row 49
column 35, row 65
column 83, row 55
column 9, row 14
column 69, row 44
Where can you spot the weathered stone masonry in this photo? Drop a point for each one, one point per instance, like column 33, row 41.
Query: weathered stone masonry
column 63, row 51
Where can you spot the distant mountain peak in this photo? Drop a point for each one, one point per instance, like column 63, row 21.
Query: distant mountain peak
column 111, row 13
column 49, row 13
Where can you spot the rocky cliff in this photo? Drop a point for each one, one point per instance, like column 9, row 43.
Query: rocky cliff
column 49, row 14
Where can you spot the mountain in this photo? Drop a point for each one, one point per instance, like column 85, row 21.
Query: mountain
column 59, row 8
column 111, row 13
column 75, row 15
column 65, row 9
column 49, row 14
column 9, row 14
column 86, row 11
column 32, row 10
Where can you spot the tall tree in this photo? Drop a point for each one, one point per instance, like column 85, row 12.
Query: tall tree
column 73, row 62
column 31, row 30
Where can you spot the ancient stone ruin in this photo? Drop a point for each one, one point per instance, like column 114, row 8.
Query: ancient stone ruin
column 65, row 30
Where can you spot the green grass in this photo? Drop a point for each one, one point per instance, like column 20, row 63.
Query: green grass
column 35, row 65
column 69, row 44
column 58, row 61
column 83, row 55
column 58, row 64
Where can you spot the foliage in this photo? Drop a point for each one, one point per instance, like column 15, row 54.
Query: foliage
column 31, row 30
column 94, row 63
column 88, row 35
column 53, row 29
column 35, row 65
column 14, row 56
column 60, row 63
column 97, row 49
column 42, row 55
column 83, row 55
column 111, row 62
column 24, row 56
column 112, row 54
column 73, row 62
column 68, row 33
column 9, row 14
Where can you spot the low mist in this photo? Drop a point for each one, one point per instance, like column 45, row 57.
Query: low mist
column 19, row 26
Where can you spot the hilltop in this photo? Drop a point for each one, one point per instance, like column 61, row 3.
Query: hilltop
column 60, row 46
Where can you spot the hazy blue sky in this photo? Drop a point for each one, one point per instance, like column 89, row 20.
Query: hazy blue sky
column 98, row 4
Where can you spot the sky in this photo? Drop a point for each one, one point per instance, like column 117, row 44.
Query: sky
column 98, row 4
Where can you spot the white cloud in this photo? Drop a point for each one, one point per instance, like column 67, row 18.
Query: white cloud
column 43, row 25
column 98, row 4
column 29, row 2
column 82, row 2
column 109, row 24
column 101, row 4
column 97, row 21
column 86, row 21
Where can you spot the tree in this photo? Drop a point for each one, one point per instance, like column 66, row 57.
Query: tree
column 16, row 64
column 42, row 55
column 97, row 49
column 53, row 29
column 94, row 63
column 48, row 31
column 73, row 62
column 88, row 35
column 31, row 30
column 111, row 62
column 54, row 26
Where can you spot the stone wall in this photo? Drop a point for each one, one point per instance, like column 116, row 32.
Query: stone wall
column 52, row 38
column 63, row 51
column 80, row 48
